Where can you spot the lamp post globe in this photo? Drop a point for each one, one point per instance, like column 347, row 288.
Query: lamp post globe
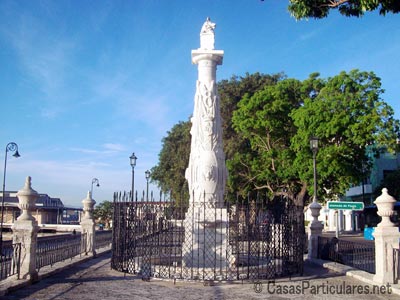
column 316, row 226
column 147, row 174
column 132, row 160
column 314, row 148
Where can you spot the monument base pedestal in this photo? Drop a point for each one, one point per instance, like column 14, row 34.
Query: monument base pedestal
column 206, row 235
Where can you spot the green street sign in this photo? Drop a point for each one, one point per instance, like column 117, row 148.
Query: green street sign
column 345, row 205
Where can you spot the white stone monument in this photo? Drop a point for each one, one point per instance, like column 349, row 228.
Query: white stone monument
column 206, row 173
column 205, row 221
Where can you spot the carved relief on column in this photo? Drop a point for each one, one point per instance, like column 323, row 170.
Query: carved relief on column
column 206, row 100
column 207, row 171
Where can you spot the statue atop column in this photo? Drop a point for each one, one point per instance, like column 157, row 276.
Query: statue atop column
column 207, row 37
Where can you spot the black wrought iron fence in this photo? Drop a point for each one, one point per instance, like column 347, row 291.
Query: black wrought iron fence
column 355, row 254
column 10, row 260
column 51, row 251
column 244, row 239
column 396, row 265
column 102, row 239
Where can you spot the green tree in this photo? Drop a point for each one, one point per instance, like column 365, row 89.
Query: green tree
column 103, row 213
column 231, row 92
column 264, row 120
column 169, row 174
column 346, row 112
column 320, row 8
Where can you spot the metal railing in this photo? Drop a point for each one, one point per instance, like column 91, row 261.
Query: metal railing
column 242, row 240
column 10, row 261
column 102, row 239
column 49, row 252
column 355, row 254
column 396, row 265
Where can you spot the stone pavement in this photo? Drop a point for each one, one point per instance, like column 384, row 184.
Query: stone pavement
column 94, row 279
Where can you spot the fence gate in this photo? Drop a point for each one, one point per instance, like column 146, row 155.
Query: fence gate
column 246, row 239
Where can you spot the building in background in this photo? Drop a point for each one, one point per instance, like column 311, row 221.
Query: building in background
column 382, row 166
column 48, row 210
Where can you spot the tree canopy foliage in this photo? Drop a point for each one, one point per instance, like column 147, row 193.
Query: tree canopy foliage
column 169, row 174
column 103, row 213
column 348, row 114
column 351, row 8
column 268, row 121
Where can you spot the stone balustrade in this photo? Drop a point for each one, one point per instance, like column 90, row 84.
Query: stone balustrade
column 32, row 254
column 386, row 239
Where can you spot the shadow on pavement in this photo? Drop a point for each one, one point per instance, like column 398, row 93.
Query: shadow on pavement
column 98, row 270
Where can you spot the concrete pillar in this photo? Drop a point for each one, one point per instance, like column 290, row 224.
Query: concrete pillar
column 315, row 230
column 386, row 239
column 25, row 231
column 88, row 225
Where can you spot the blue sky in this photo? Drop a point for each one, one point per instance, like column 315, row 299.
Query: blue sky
column 83, row 84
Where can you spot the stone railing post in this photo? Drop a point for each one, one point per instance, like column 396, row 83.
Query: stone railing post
column 88, row 225
column 315, row 230
column 386, row 239
column 25, row 231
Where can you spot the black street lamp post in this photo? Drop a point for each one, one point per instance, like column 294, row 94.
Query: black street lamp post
column 147, row 173
column 133, row 159
column 315, row 226
column 314, row 149
column 94, row 180
column 10, row 147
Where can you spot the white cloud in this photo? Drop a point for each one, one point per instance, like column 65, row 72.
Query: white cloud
column 114, row 147
column 108, row 148
column 309, row 35
column 85, row 151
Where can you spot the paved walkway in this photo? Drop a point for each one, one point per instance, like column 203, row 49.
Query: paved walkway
column 94, row 279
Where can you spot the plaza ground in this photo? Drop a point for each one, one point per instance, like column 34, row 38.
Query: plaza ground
column 94, row 279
